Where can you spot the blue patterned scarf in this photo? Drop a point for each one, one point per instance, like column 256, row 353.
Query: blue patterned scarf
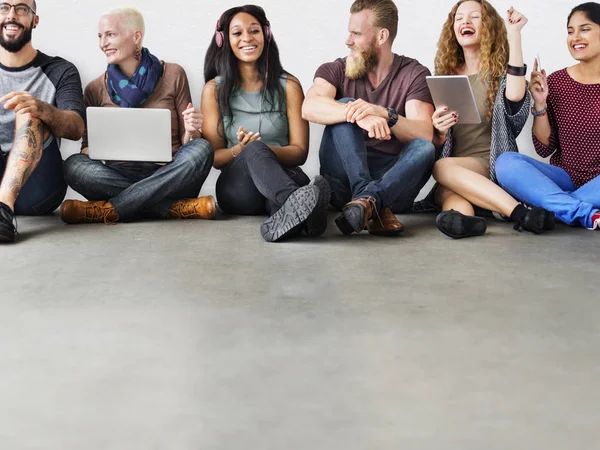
column 131, row 93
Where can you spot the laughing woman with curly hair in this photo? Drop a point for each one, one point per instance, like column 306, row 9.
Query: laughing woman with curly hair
column 475, row 41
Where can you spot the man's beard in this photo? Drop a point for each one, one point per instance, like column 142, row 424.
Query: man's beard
column 15, row 45
column 360, row 65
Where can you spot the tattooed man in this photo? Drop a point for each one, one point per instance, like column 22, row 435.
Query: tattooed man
column 41, row 101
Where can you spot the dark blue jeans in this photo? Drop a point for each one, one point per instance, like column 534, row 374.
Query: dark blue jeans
column 355, row 171
column 256, row 183
column 139, row 189
column 45, row 189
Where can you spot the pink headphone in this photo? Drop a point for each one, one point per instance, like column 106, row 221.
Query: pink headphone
column 220, row 35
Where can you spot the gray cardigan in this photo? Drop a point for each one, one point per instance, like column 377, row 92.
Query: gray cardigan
column 506, row 126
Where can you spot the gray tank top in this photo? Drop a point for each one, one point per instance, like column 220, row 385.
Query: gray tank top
column 246, row 113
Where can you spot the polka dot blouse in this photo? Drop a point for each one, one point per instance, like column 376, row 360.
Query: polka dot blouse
column 574, row 113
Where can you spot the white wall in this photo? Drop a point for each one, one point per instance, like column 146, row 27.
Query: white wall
column 308, row 33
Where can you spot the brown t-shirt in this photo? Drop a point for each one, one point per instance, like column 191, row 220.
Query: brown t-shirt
column 172, row 92
column 406, row 81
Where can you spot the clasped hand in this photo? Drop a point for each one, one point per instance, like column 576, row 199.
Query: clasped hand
column 371, row 118
column 192, row 119
column 22, row 102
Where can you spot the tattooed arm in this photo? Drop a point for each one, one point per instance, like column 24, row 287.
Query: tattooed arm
column 23, row 157
column 63, row 124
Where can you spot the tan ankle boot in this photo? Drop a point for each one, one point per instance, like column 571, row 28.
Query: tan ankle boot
column 194, row 208
column 75, row 211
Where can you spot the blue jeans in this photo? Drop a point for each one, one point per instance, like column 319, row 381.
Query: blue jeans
column 45, row 189
column 540, row 184
column 354, row 171
column 139, row 189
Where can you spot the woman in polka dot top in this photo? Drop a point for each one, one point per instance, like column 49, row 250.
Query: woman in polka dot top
column 566, row 127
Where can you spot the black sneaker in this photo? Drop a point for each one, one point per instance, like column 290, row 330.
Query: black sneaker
column 7, row 229
column 537, row 220
column 316, row 224
column 457, row 226
column 289, row 219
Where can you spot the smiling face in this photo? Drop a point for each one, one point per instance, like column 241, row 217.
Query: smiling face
column 16, row 30
column 117, row 44
column 583, row 38
column 246, row 37
column 468, row 24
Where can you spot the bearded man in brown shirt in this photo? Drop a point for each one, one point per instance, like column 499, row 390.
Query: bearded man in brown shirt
column 376, row 150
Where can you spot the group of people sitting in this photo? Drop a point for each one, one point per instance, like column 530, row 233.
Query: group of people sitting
column 383, row 137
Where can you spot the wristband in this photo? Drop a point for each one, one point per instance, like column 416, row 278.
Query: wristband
column 393, row 117
column 539, row 113
column 516, row 71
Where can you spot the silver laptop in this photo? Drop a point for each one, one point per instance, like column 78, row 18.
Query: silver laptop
column 454, row 91
column 129, row 134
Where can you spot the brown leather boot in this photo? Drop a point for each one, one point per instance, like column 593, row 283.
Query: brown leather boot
column 194, row 208
column 386, row 224
column 75, row 211
column 356, row 214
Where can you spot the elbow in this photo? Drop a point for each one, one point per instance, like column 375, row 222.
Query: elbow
column 80, row 131
column 307, row 113
column 302, row 157
column 427, row 133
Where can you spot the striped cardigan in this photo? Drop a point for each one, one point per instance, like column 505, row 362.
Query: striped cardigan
column 506, row 126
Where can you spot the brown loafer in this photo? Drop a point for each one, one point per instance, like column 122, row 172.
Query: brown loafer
column 386, row 224
column 356, row 215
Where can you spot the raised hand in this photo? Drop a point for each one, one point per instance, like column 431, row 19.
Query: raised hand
column 192, row 119
column 515, row 21
column 538, row 86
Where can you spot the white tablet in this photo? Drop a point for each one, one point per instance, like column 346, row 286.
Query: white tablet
column 454, row 91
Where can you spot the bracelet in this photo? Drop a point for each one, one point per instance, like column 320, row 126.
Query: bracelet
column 516, row 71
column 232, row 152
column 540, row 113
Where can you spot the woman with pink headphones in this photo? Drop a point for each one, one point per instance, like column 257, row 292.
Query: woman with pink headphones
column 253, row 118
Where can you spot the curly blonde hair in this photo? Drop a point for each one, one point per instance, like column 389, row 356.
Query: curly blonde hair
column 494, row 50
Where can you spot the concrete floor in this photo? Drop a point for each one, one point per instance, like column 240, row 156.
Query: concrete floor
column 198, row 335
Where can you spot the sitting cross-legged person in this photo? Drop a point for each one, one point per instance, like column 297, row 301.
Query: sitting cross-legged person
column 125, row 191
column 566, row 112
column 376, row 151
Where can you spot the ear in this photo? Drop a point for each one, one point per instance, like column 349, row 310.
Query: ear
column 36, row 21
column 137, row 37
column 383, row 36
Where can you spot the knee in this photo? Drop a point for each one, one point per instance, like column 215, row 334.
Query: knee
column 506, row 164
column 73, row 165
column 441, row 166
column 424, row 150
column 198, row 154
column 257, row 149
